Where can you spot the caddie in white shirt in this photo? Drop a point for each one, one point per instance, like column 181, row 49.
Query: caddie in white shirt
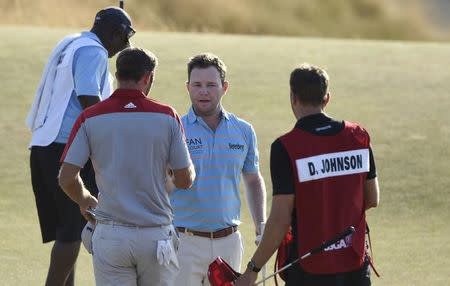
column 76, row 76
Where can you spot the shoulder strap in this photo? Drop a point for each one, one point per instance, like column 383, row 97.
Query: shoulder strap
column 370, row 256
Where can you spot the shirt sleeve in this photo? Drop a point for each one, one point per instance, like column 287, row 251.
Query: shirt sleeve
column 281, row 170
column 251, row 163
column 372, row 168
column 89, row 70
column 179, row 157
column 77, row 149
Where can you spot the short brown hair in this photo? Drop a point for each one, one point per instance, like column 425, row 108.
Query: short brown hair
column 309, row 83
column 133, row 63
column 206, row 60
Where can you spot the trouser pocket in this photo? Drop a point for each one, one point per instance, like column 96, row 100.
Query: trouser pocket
column 86, row 236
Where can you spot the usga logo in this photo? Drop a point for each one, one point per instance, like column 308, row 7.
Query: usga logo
column 343, row 243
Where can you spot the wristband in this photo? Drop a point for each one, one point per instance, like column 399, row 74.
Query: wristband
column 252, row 266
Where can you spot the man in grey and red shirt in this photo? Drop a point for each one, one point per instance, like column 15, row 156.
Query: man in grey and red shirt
column 131, row 140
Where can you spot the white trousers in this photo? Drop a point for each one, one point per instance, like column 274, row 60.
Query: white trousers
column 126, row 256
column 195, row 253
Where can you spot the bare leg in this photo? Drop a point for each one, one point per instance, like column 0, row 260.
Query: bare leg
column 61, row 271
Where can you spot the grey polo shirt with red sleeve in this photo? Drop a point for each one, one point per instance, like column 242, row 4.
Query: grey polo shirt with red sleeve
column 131, row 140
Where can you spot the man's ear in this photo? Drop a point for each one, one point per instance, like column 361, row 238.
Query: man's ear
column 116, row 33
column 294, row 98
column 152, row 76
column 326, row 99
column 148, row 77
column 225, row 86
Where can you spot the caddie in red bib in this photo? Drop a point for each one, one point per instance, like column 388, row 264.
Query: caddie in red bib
column 324, row 179
column 329, row 174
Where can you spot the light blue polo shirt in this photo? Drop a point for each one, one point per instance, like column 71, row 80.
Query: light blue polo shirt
column 219, row 157
column 90, row 72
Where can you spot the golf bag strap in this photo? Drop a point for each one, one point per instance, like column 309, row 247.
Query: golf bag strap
column 370, row 257
column 372, row 266
column 275, row 268
column 284, row 255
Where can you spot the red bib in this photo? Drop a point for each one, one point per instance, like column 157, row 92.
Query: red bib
column 329, row 173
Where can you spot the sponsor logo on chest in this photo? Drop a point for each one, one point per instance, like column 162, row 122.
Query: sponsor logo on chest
column 130, row 105
column 236, row 146
column 333, row 164
column 194, row 143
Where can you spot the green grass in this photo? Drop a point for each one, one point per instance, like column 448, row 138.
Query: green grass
column 398, row 91
column 374, row 19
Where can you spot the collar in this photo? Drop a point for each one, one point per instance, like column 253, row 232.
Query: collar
column 123, row 92
column 192, row 117
column 312, row 120
column 92, row 36
column 320, row 124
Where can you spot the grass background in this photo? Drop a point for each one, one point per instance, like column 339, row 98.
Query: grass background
column 399, row 91
column 375, row 19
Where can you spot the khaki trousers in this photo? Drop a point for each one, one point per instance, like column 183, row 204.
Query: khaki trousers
column 196, row 253
column 126, row 256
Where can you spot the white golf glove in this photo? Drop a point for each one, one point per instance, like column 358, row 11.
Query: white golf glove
column 165, row 252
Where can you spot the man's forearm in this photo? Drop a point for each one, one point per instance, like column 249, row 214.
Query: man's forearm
column 71, row 183
column 86, row 101
column 273, row 236
column 277, row 225
column 74, row 188
column 256, row 198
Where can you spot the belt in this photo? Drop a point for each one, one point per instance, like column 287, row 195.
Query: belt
column 118, row 223
column 215, row 234
column 114, row 222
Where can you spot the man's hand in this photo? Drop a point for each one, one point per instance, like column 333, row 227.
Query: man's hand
column 88, row 202
column 170, row 186
column 259, row 233
column 246, row 279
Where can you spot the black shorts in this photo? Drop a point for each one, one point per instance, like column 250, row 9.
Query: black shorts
column 361, row 277
column 59, row 217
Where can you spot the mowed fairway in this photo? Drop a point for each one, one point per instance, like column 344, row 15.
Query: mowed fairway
column 399, row 91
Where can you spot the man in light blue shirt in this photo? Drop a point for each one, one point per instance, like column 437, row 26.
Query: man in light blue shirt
column 222, row 147
column 76, row 76
column 90, row 73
